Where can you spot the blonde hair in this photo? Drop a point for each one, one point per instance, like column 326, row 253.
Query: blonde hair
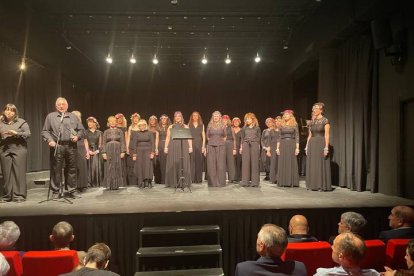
column 143, row 122
column 212, row 123
column 291, row 122
column 110, row 118
column 251, row 115
column 77, row 114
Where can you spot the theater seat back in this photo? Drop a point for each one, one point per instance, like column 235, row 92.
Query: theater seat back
column 15, row 262
column 395, row 253
column 313, row 254
column 49, row 263
column 374, row 255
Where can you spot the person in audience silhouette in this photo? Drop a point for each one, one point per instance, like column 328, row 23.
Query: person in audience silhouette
column 350, row 222
column 348, row 250
column 299, row 230
column 409, row 258
column 9, row 234
column 96, row 261
column 4, row 265
column 401, row 221
column 271, row 244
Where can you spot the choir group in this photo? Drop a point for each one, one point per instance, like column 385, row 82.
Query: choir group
column 228, row 150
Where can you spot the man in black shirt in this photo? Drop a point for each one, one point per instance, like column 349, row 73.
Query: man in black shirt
column 61, row 131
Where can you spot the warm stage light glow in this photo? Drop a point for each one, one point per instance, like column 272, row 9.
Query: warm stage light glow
column 257, row 59
column 109, row 59
column 204, row 60
column 22, row 66
column 227, row 60
column 132, row 59
column 155, row 59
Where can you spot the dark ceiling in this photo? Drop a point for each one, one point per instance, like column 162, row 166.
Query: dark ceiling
column 177, row 33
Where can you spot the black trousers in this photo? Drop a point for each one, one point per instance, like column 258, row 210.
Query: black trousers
column 65, row 159
column 13, row 166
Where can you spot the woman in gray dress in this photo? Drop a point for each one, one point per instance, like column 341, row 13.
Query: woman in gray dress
column 121, row 123
column 199, row 142
column 216, row 151
column 133, row 129
column 153, row 128
column 14, row 132
column 250, row 151
column 178, row 155
column 288, row 148
column 81, row 158
column 266, row 146
column 93, row 146
column 237, row 138
column 113, row 152
column 318, row 167
column 274, row 139
column 142, row 149
column 230, row 150
column 164, row 123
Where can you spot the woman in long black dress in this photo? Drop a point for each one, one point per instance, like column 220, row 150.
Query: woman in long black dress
column 230, row 150
column 153, row 128
column 14, row 132
column 274, row 139
column 250, row 151
column 266, row 146
column 142, row 149
column 121, row 123
column 199, row 140
column 237, row 158
column 93, row 146
column 318, row 167
column 216, row 151
column 177, row 149
column 288, row 148
column 81, row 161
column 113, row 152
column 164, row 123
column 132, row 130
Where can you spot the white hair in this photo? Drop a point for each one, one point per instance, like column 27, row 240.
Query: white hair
column 4, row 265
column 9, row 234
column 61, row 99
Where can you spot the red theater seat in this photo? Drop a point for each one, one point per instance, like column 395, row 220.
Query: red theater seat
column 15, row 262
column 312, row 254
column 395, row 253
column 49, row 263
column 374, row 255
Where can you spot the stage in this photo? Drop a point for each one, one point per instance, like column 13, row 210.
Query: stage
column 115, row 217
column 131, row 199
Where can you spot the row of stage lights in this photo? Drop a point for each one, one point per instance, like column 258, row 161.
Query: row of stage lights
column 155, row 60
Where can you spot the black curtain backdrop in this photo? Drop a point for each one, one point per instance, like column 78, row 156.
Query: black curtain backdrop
column 239, row 230
column 352, row 108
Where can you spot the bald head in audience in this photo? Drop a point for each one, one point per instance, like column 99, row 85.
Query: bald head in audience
column 299, row 230
column 62, row 235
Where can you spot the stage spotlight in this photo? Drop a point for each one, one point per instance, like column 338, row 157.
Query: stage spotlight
column 22, row 65
column 109, row 59
column 204, row 60
column 155, row 59
column 132, row 59
column 227, row 60
column 257, row 59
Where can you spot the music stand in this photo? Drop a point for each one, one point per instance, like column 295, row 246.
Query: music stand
column 181, row 134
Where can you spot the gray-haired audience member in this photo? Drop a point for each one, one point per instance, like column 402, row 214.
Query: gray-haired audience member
column 62, row 235
column 4, row 265
column 270, row 245
column 9, row 234
column 401, row 222
column 352, row 222
column 348, row 250
column 298, row 230
column 96, row 261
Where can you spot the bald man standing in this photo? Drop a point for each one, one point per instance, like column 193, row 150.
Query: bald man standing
column 298, row 230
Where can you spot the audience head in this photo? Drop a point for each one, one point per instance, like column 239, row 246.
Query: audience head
column 298, row 224
column 98, row 255
column 4, row 265
column 351, row 222
column 9, row 234
column 62, row 235
column 401, row 216
column 348, row 250
column 409, row 254
column 271, row 241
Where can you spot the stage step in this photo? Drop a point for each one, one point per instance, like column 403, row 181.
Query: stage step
column 187, row 272
column 177, row 251
column 184, row 229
